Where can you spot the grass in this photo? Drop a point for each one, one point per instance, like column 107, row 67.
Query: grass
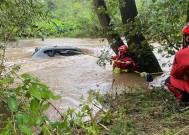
column 146, row 112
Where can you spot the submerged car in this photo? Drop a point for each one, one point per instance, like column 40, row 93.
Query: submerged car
column 51, row 51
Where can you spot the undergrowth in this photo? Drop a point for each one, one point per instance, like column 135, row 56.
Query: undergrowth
column 151, row 111
column 135, row 111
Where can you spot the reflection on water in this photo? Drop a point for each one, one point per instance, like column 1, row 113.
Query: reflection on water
column 72, row 76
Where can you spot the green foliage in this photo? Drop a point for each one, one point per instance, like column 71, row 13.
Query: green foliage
column 17, row 16
column 162, row 21
column 26, row 104
column 126, row 127
column 87, row 119
column 158, row 21
column 12, row 104
column 114, row 13
column 137, row 110
column 70, row 18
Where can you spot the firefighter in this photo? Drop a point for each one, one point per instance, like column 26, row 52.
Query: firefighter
column 178, row 81
column 122, row 61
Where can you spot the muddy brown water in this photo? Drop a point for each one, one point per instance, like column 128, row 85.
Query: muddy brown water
column 73, row 76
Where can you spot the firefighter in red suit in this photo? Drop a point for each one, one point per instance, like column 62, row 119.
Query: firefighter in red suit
column 178, row 82
column 122, row 61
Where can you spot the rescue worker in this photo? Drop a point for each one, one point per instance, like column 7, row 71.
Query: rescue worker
column 122, row 61
column 178, row 82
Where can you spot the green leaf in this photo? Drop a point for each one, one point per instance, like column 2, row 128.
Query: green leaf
column 25, row 76
column 35, row 92
column 164, row 64
column 45, row 94
column 42, row 85
column 49, row 94
column 103, row 126
column 7, row 129
column 6, row 132
column 28, row 95
column 24, row 129
column 172, row 52
column 12, row 104
column 25, row 87
column 24, row 118
column 7, row 80
column 34, row 105
column 85, row 107
column 17, row 90
column 45, row 107
column 80, row 123
column 19, row 117
column 56, row 97
column 39, row 120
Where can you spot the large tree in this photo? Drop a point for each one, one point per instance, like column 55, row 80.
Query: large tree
column 104, row 18
column 142, row 53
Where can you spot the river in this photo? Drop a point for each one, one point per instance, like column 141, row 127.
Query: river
column 70, row 76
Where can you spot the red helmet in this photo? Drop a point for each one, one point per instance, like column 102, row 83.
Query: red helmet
column 185, row 30
column 123, row 49
column 185, row 33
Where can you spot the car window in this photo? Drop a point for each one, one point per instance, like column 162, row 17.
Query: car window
column 50, row 53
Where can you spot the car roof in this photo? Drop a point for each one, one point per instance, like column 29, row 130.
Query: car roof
column 39, row 51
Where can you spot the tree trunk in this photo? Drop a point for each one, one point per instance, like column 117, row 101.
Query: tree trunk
column 142, row 52
column 187, row 17
column 104, row 18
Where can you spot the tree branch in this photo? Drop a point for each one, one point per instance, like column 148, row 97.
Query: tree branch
column 165, row 36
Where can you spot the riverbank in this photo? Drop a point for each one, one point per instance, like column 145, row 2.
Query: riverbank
column 154, row 112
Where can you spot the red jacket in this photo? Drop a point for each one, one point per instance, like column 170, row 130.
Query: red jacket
column 123, row 62
column 180, row 70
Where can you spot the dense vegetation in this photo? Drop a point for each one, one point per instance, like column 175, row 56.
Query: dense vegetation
column 141, row 112
column 69, row 19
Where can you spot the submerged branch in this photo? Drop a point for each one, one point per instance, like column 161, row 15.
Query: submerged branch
column 56, row 109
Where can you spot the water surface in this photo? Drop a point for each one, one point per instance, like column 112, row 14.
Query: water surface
column 73, row 76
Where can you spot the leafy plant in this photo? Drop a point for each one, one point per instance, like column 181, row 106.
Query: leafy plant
column 162, row 22
column 26, row 103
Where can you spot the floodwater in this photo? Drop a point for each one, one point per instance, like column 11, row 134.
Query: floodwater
column 70, row 76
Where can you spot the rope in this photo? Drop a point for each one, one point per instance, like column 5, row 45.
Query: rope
column 156, row 73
